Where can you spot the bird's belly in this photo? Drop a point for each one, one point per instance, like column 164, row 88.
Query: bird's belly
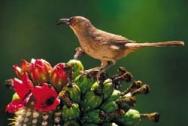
column 93, row 52
column 100, row 52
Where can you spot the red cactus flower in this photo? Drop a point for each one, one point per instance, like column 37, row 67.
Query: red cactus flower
column 46, row 98
column 17, row 70
column 25, row 65
column 23, row 68
column 17, row 104
column 14, row 106
column 40, row 70
column 59, row 76
column 23, row 89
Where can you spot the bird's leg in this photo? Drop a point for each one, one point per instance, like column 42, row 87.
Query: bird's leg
column 99, row 70
column 78, row 52
column 92, row 70
column 104, row 66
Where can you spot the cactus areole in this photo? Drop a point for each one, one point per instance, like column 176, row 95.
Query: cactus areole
column 61, row 95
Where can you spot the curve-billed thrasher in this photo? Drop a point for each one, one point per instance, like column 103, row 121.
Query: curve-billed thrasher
column 104, row 46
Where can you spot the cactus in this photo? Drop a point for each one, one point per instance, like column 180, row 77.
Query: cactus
column 64, row 96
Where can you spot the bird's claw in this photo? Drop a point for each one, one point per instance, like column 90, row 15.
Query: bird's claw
column 96, row 73
column 90, row 72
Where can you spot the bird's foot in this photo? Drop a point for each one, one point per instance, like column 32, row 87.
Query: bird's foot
column 96, row 72
column 92, row 71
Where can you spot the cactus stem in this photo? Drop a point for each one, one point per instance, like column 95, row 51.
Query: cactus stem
column 126, row 102
column 154, row 117
column 135, row 85
column 144, row 89
column 123, row 75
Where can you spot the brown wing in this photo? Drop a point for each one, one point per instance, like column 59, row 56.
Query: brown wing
column 115, row 41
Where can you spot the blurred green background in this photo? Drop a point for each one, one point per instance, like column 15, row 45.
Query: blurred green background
column 28, row 30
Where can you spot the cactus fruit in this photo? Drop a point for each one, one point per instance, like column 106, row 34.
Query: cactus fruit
column 64, row 96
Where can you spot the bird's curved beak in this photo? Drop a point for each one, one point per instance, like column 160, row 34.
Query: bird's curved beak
column 63, row 21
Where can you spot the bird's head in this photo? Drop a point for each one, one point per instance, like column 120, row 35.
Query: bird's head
column 77, row 23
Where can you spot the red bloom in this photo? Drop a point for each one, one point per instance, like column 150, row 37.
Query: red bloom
column 17, row 70
column 46, row 98
column 14, row 106
column 25, row 65
column 17, row 104
column 23, row 68
column 23, row 89
column 59, row 76
column 40, row 70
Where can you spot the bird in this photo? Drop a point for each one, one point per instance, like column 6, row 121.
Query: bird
column 104, row 46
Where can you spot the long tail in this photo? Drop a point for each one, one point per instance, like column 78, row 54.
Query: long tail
column 154, row 44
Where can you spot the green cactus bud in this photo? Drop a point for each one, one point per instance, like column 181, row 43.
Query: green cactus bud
column 130, row 118
column 91, row 101
column 106, row 89
column 70, row 113
column 71, row 123
column 77, row 67
column 115, row 95
column 73, row 92
column 92, row 117
column 109, row 106
column 84, row 83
